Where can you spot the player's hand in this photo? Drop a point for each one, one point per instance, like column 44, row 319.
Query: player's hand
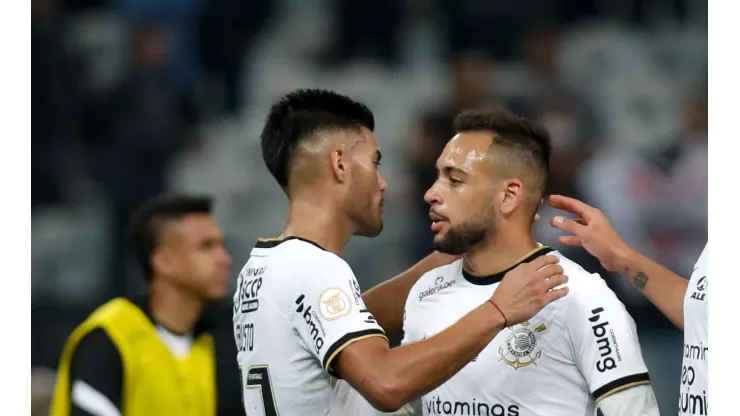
column 528, row 288
column 591, row 230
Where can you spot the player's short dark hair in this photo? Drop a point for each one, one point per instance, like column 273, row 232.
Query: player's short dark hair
column 520, row 137
column 299, row 116
column 145, row 226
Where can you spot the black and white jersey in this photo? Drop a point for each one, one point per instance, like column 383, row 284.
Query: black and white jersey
column 694, row 398
column 295, row 308
column 562, row 362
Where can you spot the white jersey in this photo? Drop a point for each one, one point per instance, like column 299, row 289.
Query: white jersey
column 694, row 398
column 568, row 357
column 295, row 308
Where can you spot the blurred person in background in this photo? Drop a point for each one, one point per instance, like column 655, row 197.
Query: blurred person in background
column 155, row 354
column 179, row 18
column 470, row 87
column 150, row 119
column 684, row 302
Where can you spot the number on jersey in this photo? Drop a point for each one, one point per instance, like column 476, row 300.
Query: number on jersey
column 258, row 377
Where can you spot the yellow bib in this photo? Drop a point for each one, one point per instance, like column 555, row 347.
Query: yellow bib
column 155, row 381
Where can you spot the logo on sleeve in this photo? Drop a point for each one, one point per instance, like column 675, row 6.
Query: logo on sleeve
column 701, row 286
column 356, row 292
column 315, row 329
column 334, row 304
column 521, row 347
column 603, row 342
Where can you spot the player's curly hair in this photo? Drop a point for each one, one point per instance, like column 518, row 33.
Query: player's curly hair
column 299, row 116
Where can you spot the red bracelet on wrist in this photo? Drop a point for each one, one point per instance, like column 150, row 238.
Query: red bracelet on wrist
column 506, row 323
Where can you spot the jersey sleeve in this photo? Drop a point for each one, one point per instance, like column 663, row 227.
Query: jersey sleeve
column 604, row 340
column 96, row 376
column 638, row 401
column 329, row 313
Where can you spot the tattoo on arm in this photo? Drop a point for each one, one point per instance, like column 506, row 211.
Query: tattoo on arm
column 640, row 280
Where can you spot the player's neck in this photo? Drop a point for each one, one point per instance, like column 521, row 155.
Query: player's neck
column 174, row 308
column 509, row 246
column 320, row 222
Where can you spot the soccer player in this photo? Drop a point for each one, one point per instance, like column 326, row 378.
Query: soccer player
column 684, row 302
column 153, row 355
column 578, row 356
column 299, row 317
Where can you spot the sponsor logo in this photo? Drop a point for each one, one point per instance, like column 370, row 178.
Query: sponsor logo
column 606, row 344
column 434, row 405
column 315, row 329
column 693, row 404
column 439, row 284
column 701, row 286
column 695, row 352
column 521, row 347
column 334, row 304
column 356, row 292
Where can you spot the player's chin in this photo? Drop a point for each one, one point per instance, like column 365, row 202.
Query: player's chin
column 370, row 230
column 443, row 245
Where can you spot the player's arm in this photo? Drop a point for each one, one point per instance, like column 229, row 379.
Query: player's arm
column 386, row 300
column 606, row 349
column 96, row 377
column 663, row 288
column 389, row 378
column 592, row 231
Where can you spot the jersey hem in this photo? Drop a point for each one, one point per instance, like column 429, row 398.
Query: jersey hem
column 345, row 342
column 620, row 384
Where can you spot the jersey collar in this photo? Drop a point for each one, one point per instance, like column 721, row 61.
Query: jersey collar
column 497, row 277
column 274, row 242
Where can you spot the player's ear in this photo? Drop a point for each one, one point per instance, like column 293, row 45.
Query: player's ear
column 512, row 195
column 162, row 260
column 339, row 164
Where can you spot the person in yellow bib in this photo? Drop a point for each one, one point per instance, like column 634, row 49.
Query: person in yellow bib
column 153, row 355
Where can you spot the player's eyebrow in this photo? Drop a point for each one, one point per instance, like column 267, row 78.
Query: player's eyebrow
column 449, row 170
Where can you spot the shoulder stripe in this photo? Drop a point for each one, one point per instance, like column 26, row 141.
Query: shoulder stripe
column 620, row 384
column 345, row 342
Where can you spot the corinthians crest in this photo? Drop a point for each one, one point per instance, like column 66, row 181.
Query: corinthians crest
column 520, row 348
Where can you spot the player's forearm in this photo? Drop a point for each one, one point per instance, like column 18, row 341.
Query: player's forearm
column 664, row 289
column 387, row 300
column 415, row 369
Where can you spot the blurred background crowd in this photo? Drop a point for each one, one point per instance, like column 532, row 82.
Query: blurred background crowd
column 131, row 98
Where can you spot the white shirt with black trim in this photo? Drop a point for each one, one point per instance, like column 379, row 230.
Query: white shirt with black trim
column 694, row 397
column 573, row 354
column 295, row 308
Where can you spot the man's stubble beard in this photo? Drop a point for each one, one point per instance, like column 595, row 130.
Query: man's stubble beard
column 461, row 238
